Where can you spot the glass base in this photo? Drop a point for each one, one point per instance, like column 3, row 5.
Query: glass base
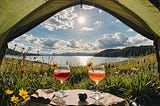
column 96, row 96
column 61, row 94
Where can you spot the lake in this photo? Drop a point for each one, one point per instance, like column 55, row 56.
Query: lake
column 72, row 60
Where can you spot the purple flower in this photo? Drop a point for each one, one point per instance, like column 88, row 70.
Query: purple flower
column 7, row 81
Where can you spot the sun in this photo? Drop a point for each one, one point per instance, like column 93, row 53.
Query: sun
column 81, row 20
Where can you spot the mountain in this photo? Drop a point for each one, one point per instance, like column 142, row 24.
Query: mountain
column 133, row 51
column 12, row 52
column 75, row 54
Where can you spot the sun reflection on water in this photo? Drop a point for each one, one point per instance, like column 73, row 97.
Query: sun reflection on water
column 83, row 59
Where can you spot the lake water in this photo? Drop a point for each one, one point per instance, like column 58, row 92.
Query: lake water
column 73, row 60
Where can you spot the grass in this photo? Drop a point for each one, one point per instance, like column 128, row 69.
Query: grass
column 134, row 79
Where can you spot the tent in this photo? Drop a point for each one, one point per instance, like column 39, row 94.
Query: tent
column 20, row 16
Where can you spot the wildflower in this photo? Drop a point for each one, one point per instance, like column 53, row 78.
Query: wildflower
column 9, row 92
column 29, row 48
column 7, row 81
column 23, row 48
column 23, row 93
column 45, row 74
column 158, row 81
column 23, row 72
column 54, row 65
column 24, row 56
column 29, row 80
column 134, row 69
column 34, row 58
column 90, row 64
column 14, row 99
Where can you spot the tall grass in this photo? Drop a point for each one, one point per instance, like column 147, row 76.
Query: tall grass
column 127, row 79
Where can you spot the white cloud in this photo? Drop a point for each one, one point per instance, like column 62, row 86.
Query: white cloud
column 111, row 41
column 139, row 40
column 30, row 39
column 98, row 23
column 116, row 21
column 86, row 29
column 73, row 44
column 100, row 11
column 19, row 46
column 87, row 7
column 50, row 45
column 12, row 44
column 130, row 30
column 119, row 40
column 62, row 20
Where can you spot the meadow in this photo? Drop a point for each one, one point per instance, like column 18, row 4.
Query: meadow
column 134, row 79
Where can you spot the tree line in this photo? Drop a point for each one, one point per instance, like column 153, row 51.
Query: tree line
column 133, row 51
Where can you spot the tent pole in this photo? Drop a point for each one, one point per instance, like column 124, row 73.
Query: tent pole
column 157, row 54
column 3, row 49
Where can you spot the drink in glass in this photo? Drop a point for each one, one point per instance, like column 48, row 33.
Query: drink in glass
column 61, row 73
column 96, row 74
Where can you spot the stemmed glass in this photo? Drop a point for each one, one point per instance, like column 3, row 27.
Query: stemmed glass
column 96, row 74
column 61, row 73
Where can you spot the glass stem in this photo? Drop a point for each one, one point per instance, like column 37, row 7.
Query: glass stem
column 97, row 88
column 61, row 87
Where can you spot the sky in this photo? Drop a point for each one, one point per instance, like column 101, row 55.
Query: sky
column 75, row 29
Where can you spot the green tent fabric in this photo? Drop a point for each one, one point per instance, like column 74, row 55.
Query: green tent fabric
column 20, row 16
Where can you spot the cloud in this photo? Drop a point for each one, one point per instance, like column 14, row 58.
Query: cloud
column 111, row 41
column 139, row 40
column 19, row 46
column 73, row 44
column 116, row 21
column 119, row 40
column 30, row 39
column 87, row 7
column 50, row 45
column 86, row 29
column 62, row 20
column 98, row 23
column 100, row 11
column 12, row 45
column 130, row 30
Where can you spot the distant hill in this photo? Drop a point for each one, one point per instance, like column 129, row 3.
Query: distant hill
column 12, row 52
column 75, row 54
column 133, row 51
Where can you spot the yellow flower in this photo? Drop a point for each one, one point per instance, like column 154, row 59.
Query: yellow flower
column 23, row 93
column 14, row 99
column 134, row 69
column 9, row 92
column 54, row 65
column 90, row 64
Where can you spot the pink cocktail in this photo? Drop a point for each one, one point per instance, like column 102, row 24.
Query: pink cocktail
column 61, row 73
